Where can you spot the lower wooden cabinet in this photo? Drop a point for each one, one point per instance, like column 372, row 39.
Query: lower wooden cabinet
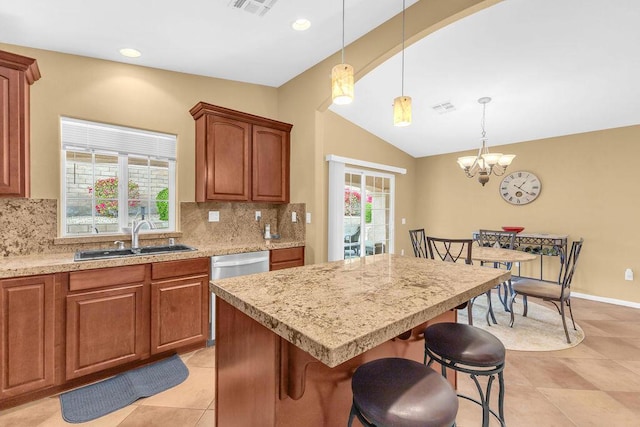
column 286, row 258
column 27, row 334
column 179, row 304
column 62, row 330
column 105, row 329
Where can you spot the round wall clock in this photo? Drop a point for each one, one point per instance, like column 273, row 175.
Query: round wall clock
column 520, row 188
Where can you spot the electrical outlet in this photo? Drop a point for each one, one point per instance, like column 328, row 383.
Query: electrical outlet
column 628, row 274
column 294, row 217
column 214, row 216
column 402, row 252
column 404, row 221
column 308, row 217
column 258, row 215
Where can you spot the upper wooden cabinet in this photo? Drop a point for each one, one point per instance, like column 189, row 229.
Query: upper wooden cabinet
column 17, row 73
column 240, row 157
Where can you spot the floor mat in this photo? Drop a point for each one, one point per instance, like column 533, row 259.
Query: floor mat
column 98, row 399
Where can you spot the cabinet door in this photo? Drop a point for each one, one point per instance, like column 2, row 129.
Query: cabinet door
column 228, row 159
column 179, row 312
column 27, row 331
column 16, row 74
column 270, row 179
column 105, row 329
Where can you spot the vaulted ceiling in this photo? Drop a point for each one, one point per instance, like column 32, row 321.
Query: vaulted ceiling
column 552, row 67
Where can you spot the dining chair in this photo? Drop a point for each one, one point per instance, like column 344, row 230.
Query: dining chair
column 504, row 240
column 559, row 294
column 452, row 250
column 352, row 243
column 419, row 243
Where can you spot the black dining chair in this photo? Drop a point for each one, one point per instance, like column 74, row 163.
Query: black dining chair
column 452, row 250
column 559, row 294
column 419, row 243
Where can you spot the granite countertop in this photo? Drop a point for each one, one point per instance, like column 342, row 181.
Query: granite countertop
column 338, row 310
column 28, row 265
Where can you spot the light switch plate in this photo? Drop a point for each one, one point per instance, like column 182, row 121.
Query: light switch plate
column 214, row 216
column 308, row 217
column 294, row 217
column 258, row 215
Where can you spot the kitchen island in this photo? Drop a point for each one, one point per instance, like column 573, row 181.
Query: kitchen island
column 288, row 341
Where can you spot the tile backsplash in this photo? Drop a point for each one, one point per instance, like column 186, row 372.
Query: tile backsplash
column 29, row 226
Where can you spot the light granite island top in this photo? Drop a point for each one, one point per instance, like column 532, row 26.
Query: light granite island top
column 336, row 311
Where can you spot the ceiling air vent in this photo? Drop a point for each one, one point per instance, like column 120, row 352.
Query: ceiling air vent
column 444, row 107
column 254, row 7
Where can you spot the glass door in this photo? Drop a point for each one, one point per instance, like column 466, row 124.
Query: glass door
column 367, row 213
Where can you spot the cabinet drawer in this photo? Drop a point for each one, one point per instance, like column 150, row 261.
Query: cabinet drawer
column 91, row 279
column 286, row 258
column 187, row 267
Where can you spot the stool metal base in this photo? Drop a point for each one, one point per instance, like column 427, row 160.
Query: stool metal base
column 485, row 395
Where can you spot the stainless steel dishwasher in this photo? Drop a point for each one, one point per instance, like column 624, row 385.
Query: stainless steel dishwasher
column 224, row 266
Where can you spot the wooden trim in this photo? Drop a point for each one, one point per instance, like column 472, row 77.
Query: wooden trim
column 202, row 108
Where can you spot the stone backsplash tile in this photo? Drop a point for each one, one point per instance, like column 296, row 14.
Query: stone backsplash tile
column 237, row 222
column 28, row 226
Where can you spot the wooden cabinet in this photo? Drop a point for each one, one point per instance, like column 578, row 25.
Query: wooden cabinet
column 17, row 73
column 27, row 333
column 240, row 157
column 179, row 304
column 107, row 320
column 286, row 258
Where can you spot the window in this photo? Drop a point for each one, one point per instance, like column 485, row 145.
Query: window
column 113, row 175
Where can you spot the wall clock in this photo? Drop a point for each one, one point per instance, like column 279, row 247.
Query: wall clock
column 520, row 188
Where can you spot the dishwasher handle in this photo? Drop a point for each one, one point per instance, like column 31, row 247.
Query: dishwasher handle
column 248, row 261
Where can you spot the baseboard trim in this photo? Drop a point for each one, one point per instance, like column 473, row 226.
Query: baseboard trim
column 607, row 300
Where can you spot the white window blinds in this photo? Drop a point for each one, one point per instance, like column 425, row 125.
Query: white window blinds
column 82, row 135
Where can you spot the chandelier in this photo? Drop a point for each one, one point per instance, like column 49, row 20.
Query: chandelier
column 485, row 163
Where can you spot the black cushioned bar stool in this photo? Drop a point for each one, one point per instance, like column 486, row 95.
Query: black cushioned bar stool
column 396, row 392
column 468, row 349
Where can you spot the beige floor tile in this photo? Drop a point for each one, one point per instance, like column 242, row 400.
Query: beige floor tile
column 613, row 347
column 630, row 400
column 208, row 419
column 150, row 416
column 632, row 365
column 549, row 372
column 617, row 328
column 30, row 414
column 591, row 408
column 605, row 375
column 196, row 392
column 110, row 420
column 205, row 358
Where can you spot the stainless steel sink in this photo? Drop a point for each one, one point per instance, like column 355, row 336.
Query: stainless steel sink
column 119, row 253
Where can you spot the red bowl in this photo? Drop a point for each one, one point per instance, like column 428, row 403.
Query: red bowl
column 516, row 229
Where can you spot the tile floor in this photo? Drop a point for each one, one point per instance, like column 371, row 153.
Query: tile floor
column 596, row 383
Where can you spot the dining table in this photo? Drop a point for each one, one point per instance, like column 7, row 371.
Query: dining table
column 500, row 257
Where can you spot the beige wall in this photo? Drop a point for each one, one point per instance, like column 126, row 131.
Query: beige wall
column 590, row 189
column 127, row 95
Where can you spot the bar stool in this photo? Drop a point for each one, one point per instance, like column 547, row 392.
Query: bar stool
column 471, row 350
column 401, row 393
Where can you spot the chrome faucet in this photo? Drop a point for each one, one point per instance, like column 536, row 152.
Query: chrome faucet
column 135, row 229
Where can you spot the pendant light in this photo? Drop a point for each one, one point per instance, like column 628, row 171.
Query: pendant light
column 402, row 104
column 342, row 77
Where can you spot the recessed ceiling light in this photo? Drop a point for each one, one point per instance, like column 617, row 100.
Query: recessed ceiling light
column 130, row 53
column 301, row 24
